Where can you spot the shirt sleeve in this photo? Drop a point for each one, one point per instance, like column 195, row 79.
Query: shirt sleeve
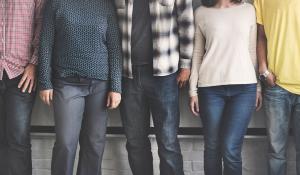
column 114, row 50
column 259, row 11
column 252, row 50
column 198, row 53
column 39, row 4
column 46, row 47
column 185, row 19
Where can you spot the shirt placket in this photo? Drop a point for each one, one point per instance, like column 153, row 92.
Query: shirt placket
column 3, row 25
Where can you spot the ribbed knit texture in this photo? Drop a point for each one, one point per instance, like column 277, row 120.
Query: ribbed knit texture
column 80, row 38
column 225, row 47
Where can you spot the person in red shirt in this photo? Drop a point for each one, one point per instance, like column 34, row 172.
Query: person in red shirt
column 20, row 24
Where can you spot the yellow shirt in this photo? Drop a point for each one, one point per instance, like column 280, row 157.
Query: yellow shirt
column 281, row 21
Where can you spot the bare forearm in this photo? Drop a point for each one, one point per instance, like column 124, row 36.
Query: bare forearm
column 262, row 49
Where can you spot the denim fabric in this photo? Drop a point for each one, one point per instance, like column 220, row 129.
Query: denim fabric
column 80, row 115
column 225, row 112
column 159, row 95
column 15, row 112
column 281, row 108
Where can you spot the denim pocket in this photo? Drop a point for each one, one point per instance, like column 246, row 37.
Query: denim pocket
column 276, row 92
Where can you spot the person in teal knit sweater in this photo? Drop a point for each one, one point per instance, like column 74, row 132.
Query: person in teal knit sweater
column 80, row 74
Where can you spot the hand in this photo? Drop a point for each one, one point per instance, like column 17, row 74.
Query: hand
column 194, row 105
column 28, row 80
column 113, row 100
column 47, row 96
column 183, row 77
column 259, row 101
column 271, row 79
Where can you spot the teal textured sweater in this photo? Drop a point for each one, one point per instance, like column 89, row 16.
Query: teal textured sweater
column 80, row 38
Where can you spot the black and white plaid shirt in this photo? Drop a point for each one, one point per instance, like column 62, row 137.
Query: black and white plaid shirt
column 172, row 31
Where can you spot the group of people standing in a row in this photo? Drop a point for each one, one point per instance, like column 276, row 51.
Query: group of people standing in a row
column 88, row 53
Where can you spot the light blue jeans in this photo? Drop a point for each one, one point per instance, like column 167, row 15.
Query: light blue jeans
column 282, row 108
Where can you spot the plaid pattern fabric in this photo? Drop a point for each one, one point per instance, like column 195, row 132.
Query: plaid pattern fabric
column 20, row 25
column 172, row 31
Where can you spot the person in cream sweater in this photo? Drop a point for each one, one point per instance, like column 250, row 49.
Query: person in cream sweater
column 223, row 83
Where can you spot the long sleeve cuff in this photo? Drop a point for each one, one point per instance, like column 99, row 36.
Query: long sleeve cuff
column 115, row 88
column 185, row 63
column 115, row 84
column 45, row 85
column 193, row 93
column 34, row 60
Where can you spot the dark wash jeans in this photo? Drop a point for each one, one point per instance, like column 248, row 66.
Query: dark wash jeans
column 225, row 112
column 282, row 109
column 15, row 112
column 142, row 95
column 80, row 115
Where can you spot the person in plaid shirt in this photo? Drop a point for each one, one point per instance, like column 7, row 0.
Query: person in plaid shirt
column 157, row 49
column 20, row 24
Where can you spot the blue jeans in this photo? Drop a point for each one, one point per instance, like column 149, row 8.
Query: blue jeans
column 225, row 112
column 159, row 95
column 15, row 112
column 281, row 108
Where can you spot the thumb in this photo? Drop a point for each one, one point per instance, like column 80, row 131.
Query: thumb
column 108, row 100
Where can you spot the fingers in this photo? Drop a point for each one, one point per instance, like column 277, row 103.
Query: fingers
column 50, row 97
column 182, row 80
column 113, row 100
column 194, row 109
column 47, row 96
column 197, row 108
column 47, row 99
column 271, row 80
column 27, row 82
column 108, row 102
column 183, row 77
column 194, row 106
column 258, row 102
column 114, row 104
column 23, row 79
column 26, row 85
column 181, row 83
column 31, row 86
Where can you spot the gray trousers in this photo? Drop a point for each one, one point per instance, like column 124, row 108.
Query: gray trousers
column 80, row 116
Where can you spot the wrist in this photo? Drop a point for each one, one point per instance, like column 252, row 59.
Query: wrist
column 262, row 69
column 31, row 64
column 264, row 74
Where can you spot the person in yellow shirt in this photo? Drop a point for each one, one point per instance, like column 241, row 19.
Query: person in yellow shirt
column 279, row 66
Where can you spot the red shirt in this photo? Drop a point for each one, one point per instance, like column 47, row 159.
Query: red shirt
column 20, row 25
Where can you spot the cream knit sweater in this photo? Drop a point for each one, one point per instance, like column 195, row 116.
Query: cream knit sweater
column 225, row 47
